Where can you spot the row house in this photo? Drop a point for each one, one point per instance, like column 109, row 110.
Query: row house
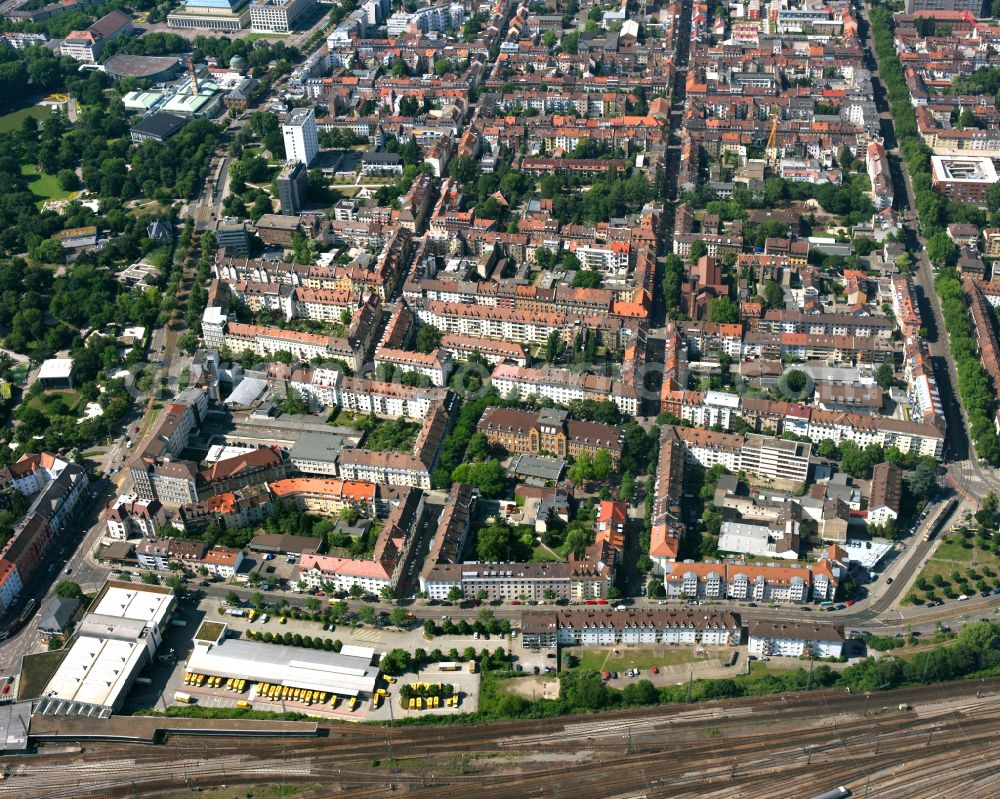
column 454, row 525
column 763, row 457
column 435, row 366
column 746, row 582
column 667, row 528
column 331, row 388
column 573, row 580
column 563, row 387
column 863, row 430
column 822, row 324
column 634, row 626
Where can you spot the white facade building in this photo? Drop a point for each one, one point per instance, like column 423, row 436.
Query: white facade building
column 301, row 137
column 787, row 639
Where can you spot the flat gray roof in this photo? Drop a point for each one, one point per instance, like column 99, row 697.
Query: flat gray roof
column 316, row 447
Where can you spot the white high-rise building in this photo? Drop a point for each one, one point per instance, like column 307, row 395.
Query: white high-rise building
column 301, row 139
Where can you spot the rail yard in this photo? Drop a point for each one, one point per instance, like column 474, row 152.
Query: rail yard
column 935, row 740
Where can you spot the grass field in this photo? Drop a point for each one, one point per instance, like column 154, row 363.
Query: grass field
column 43, row 186
column 66, row 397
column 13, row 120
column 959, row 552
column 642, row 659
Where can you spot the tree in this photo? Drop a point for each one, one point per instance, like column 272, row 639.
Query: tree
column 428, row 339
column 774, row 295
column 993, row 197
column 922, row 480
column 489, row 477
column 387, row 593
column 482, row 594
column 67, row 589
column 698, row 249
column 366, row 613
column 587, row 279
column 941, row 249
column 312, row 604
column 724, row 310
column 603, row 465
column 884, row 376
column 987, row 513
column 356, row 591
column 454, row 593
column 553, row 346
column 430, row 628
column 399, row 617
column 68, row 180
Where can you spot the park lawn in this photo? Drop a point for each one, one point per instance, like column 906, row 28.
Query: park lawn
column 44, row 186
column 70, row 398
column 540, row 554
column 951, row 556
column 13, row 120
column 604, row 659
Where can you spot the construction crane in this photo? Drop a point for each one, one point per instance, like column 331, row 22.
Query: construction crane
column 772, row 141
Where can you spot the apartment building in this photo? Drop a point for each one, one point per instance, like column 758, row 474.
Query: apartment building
column 299, row 132
column 223, row 562
column 10, row 583
column 884, row 501
column 435, row 366
column 394, row 468
column 790, row 639
column 129, row 515
column 562, row 386
column 359, row 395
column 862, row 429
column 549, row 431
column 778, row 320
column 768, row 583
column 878, row 172
column 325, row 497
column 524, row 581
column 462, row 347
column 388, row 559
column 634, row 626
column 262, row 465
column 667, row 527
column 242, row 508
column 158, row 553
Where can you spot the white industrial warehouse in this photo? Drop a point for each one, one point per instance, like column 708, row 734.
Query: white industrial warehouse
column 348, row 673
column 113, row 643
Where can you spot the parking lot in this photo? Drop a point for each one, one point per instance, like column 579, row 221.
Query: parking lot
column 466, row 686
column 168, row 671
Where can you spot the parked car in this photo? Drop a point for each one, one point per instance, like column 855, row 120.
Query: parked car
column 888, row 581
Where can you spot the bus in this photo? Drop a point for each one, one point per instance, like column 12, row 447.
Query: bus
column 183, row 698
column 145, row 681
column 242, row 704
column 450, row 665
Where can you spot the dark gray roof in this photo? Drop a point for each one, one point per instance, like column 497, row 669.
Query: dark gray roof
column 57, row 614
column 161, row 125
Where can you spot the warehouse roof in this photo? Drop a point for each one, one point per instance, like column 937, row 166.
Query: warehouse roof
column 347, row 673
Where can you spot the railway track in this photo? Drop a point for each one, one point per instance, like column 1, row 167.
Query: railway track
column 732, row 749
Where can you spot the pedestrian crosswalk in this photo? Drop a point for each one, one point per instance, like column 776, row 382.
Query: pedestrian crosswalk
column 367, row 635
